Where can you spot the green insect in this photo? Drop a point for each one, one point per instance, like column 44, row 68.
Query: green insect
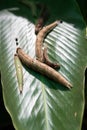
column 19, row 72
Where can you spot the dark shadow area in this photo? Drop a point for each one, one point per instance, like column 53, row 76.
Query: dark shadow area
column 28, row 10
column 57, row 10
column 8, row 127
column 5, row 120
column 84, row 124
column 83, row 8
column 17, row 9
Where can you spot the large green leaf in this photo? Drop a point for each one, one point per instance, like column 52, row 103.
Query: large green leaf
column 44, row 104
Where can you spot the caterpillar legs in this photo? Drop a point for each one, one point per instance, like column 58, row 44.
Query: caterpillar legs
column 47, row 60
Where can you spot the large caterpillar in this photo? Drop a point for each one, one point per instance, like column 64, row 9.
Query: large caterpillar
column 19, row 72
column 39, row 43
column 42, row 68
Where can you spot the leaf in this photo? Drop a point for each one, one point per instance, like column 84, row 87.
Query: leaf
column 44, row 104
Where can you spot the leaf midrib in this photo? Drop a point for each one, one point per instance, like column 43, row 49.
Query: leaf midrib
column 45, row 107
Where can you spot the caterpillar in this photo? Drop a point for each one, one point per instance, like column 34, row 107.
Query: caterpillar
column 39, row 40
column 19, row 72
column 42, row 68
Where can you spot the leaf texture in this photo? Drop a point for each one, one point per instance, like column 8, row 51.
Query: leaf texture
column 44, row 104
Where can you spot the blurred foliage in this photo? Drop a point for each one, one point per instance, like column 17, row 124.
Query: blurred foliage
column 83, row 7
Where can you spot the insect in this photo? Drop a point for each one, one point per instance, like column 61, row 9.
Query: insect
column 39, row 44
column 19, row 72
column 42, row 68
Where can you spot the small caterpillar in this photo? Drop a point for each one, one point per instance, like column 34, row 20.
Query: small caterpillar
column 39, row 40
column 19, row 72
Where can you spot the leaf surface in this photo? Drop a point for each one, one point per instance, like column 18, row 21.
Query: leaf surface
column 44, row 104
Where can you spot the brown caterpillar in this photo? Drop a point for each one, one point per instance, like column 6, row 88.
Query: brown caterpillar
column 42, row 68
column 39, row 41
